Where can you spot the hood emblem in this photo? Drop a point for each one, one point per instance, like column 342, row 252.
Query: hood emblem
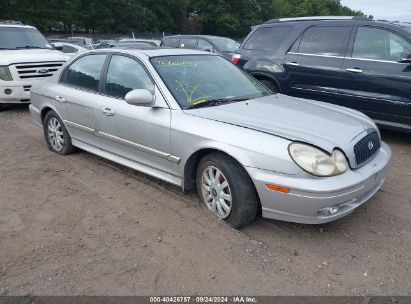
column 370, row 145
column 42, row 71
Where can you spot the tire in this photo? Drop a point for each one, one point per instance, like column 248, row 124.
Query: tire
column 61, row 143
column 270, row 85
column 244, row 199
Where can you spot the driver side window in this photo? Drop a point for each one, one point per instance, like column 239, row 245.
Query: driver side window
column 379, row 44
column 124, row 75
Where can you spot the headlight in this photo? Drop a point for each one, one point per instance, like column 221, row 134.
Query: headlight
column 5, row 73
column 317, row 162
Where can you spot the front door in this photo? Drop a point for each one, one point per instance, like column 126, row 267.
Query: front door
column 313, row 64
column 137, row 133
column 374, row 80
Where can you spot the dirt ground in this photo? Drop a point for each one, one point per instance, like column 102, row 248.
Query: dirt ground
column 81, row 225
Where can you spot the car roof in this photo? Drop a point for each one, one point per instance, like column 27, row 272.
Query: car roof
column 351, row 19
column 199, row 36
column 155, row 51
column 16, row 25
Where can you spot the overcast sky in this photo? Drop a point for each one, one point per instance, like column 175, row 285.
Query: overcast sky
column 382, row 9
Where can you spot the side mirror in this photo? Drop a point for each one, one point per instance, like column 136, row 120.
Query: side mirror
column 140, row 97
column 407, row 59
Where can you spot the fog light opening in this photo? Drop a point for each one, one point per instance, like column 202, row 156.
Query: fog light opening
column 8, row 91
column 333, row 210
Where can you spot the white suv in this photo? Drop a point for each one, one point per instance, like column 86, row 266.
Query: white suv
column 26, row 57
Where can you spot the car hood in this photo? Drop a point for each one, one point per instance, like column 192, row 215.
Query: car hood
column 8, row 57
column 323, row 125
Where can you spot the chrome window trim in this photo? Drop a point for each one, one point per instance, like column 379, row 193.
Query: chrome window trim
column 340, row 57
column 316, row 55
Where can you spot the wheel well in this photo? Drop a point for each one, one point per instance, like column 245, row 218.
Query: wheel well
column 44, row 113
column 190, row 170
column 263, row 77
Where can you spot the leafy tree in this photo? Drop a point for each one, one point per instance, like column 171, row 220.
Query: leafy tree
column 231, row 18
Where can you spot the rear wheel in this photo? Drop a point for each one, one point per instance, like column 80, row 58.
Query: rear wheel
column 226, row 189
column 270, row 85
column 56, row 135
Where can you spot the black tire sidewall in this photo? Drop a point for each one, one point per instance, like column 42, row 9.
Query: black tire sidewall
column 67, row 147
column 244, row 198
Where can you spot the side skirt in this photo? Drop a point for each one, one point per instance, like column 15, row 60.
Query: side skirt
column 129, row 163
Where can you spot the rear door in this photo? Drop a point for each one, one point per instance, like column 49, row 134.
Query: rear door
column 78, row 92
column 373, row 80
column 313, row 64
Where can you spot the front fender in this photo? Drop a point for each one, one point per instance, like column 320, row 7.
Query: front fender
column 250, row 148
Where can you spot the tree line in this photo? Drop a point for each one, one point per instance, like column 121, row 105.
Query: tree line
column 232, row 18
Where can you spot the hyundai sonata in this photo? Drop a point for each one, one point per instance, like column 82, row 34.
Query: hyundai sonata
column 195, row 120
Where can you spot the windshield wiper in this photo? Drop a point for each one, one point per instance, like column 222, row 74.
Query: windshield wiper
column 214, row 102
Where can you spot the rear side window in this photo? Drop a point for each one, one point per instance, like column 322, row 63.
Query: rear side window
column 171, row 42
column 267, row 38
column 379, row 44
column 325, row 40
column 189, row 43
column 85, row 72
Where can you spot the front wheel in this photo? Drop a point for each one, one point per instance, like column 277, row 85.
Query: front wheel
column 56, row 135
column 226, row 189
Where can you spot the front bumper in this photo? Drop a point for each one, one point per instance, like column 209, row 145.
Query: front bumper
column 309, row 195
column 19, row 91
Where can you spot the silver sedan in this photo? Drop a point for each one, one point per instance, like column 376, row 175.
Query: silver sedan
column 193, row 119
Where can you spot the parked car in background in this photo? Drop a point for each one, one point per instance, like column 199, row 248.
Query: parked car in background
column 126, row 45
column 195, row 120
column 350, row 61
column 104, row 44
column 68, row 49
column 215, row 44
column 26, row 57
column 81, row 41
column 152, row 42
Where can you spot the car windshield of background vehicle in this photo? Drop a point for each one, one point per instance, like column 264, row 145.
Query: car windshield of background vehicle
column 325, row 40
column 379, row 44
column 12, row 38
column 195, row 79
column 225, row 44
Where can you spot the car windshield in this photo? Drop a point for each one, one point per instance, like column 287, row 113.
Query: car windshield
column 201, row 79
column 407, row 28
column 225, row 44
column 13, row 38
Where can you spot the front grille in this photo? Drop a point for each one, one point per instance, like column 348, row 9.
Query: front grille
column 37, row 70
column 27, row 88
column 366, row 148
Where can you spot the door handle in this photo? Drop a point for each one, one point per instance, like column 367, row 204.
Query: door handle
column 293, row 63
column 60, row 99
column 354, row 70
column 108, row 112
